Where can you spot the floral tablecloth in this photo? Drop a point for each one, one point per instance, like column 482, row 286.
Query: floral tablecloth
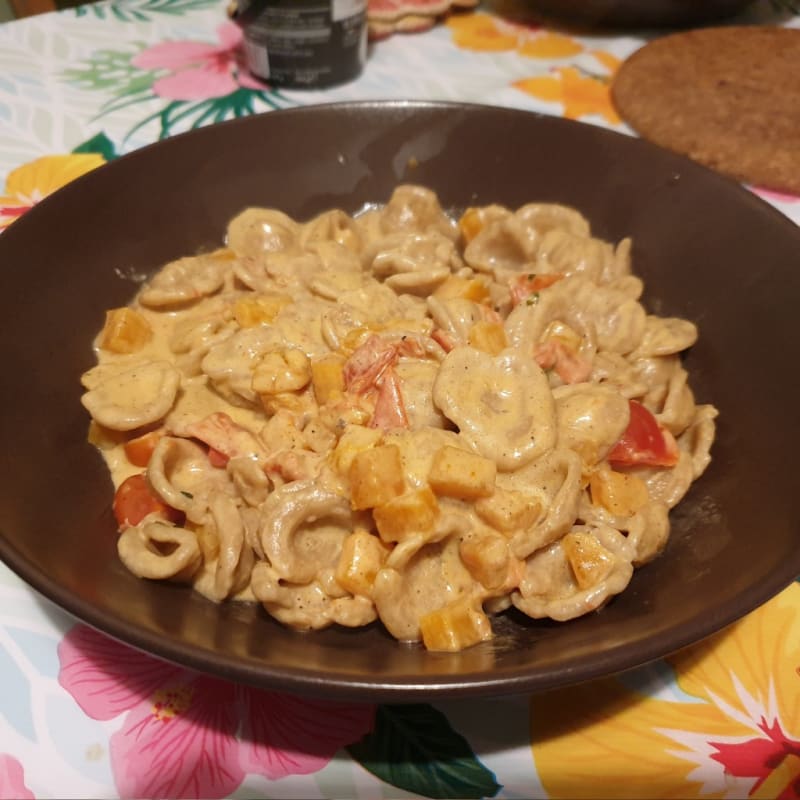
column 82, row 716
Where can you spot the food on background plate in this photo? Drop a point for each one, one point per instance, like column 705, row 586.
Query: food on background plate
column 727, row 97
column 385, row 17
column 399, row 416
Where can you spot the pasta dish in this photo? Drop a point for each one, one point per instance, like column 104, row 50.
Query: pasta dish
column 399, row 415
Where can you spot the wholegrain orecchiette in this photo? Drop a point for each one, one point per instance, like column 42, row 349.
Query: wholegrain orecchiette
column 399, row 416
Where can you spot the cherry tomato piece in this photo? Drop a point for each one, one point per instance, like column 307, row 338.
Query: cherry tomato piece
column 644, row 442
column 134, row 500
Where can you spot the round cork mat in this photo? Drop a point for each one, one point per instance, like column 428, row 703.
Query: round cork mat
column 728, row 97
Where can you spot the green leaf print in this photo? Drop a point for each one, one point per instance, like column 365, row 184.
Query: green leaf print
column 100, row 144
column 111, row 69
column 194, row 114
column 141, row 10
column 414, row 748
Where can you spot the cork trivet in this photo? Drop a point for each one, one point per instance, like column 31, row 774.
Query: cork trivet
column 727, row 97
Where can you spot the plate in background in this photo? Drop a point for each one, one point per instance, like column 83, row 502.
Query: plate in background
column 639, row 13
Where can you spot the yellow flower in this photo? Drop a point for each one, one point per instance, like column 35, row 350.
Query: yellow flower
column 734, row 733
column 550, row 45
column 28, row 184
column 579, row 93
column 608, row 60
column 481, row 32
column 487, row 33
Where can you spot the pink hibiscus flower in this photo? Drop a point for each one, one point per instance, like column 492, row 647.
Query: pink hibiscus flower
column 189, row 735
column 199, row 71
column 12, row 780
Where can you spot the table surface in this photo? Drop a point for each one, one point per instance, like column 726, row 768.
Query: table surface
column 82, row 716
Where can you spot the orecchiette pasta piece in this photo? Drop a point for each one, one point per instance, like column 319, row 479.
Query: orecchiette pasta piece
column 158, row 550
column 303, row 526
column 337, row 322
column 340, row 271
column 576, row 574
column 648, row 532
column 414, row 252
column 374, row 304
column 545, row 217
column 230, row 570
column 591, row 418
column 502, row 405
column 415, row 263
column 574, row 254
column 456, row 316
column 250, row 480
column 420, row 282
column 251, row 519
column 475, row 218
column 665, row 336
column 279, row 270
column 630, row 285
column 130, row 398
column 307, row 606
column 230, row 363
column 669, row 485
column 678, row 410
column 618, row 319
column 185, row 280
column 502, row 246
column 654, row 375
column 451, row 522
column 255, row 231
column 415, row 209
column 555, row 483
column 622, row 264
column 697, row 439
column 332, row 226
column 281, row 433
column 526, row 324
column 434, row 577
column 293, row 270
column 618, row 373
column 417, row 377
column 193, row 336
column 180, row 473
column 299, row 326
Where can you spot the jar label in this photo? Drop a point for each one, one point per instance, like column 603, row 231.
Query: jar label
column 307, row 44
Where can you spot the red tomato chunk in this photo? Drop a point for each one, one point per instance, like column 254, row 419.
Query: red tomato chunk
column 134, row 500
column 644, row 442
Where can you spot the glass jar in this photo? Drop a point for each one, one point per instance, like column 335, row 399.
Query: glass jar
column 304, row 43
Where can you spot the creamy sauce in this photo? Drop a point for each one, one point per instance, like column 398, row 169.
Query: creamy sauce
column 398, row 416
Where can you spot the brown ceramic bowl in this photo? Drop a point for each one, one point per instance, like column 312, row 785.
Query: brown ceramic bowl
column 638, row 13
column 707, row 249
